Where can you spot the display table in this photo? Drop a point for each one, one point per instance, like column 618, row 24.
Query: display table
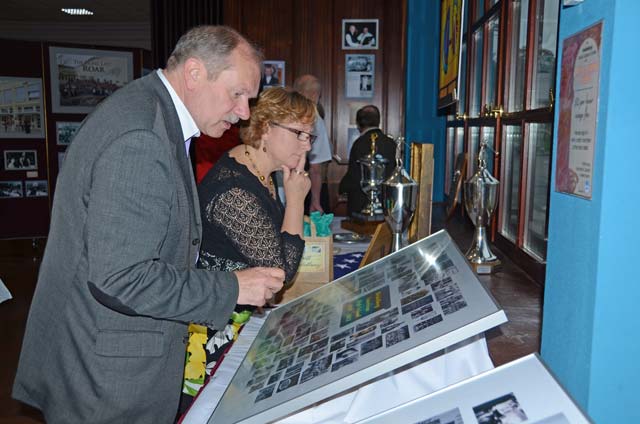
column 454, row 364
column 400, row 328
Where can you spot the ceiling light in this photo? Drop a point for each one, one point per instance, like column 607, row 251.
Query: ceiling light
column 77, row 12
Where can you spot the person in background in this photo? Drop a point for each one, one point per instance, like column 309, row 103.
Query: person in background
column 244, row 222
column 118, row 285
column 368, row 121
column 309, row 86
column 269, row 77
column 366, row 39
column 208, row 150
column 351, row 37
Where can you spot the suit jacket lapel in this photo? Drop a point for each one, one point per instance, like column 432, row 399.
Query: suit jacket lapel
column 174, row 130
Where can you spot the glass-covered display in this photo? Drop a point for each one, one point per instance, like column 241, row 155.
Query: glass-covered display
column 537, row 193
column 476, row 73
column 490, row 89
column 521, row 391
column 391, row 313
column 462, row 89
column 510, row 195
column 544, row 55
column 516, row 55
column 449, row 158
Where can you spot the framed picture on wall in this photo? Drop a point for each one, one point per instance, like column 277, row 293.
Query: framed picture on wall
column 36, row 188
column 11, row 189
column 451, row 23
column 65, row 132
column 360, row 74
column 21, row 100
column 360, row 34
column 82, row 78
column 272, row 74
column 20, row 160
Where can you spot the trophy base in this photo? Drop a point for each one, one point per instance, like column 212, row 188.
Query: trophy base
column 487, row 267
column 360, row 227
column 366, row 217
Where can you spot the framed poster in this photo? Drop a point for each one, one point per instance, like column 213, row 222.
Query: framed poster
column 20, row 160
column 521, row 391
column 360, row 72
column 360, row 34
column 451, row 24
column 36, row 188
column 11, row 189
column 82, row 78
column 21, row 115
column 390, row 313
column 65, row 132
column 272, row 74
column 579, row 94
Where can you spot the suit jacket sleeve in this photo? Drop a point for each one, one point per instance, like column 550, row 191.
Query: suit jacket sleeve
column 132, row 199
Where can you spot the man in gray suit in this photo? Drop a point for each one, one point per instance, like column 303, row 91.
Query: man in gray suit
column 117, row 287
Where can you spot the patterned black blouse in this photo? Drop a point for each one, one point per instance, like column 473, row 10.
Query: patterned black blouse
column 242, row 223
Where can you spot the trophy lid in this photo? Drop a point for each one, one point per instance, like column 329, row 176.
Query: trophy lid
column 399, row 176
column 372, row 158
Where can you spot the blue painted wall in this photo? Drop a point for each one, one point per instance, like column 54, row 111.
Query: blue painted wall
column 591, row 331
column 422, row 122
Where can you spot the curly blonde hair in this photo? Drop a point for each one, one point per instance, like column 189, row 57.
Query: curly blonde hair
column 276, row 104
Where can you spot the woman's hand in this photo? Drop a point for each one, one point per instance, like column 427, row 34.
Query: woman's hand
column 296, row 182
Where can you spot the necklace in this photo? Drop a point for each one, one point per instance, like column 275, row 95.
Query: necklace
column 261, row 177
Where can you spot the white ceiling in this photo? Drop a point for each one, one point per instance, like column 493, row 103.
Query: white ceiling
column 49, row 10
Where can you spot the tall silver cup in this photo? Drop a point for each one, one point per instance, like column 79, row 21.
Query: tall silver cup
column 372, row 167
column 399, row 193
column 480, row 200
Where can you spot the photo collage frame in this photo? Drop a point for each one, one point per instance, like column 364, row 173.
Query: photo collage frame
column 392, row 312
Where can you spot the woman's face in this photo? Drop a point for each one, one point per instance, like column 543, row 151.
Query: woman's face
column 283, row 145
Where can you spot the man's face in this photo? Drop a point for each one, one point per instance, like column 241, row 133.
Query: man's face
column 365, row 30
column 217, row 104
column 352, row 29
column 268, row 71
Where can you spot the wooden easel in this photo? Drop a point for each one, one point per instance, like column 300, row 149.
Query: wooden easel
column 380, row 245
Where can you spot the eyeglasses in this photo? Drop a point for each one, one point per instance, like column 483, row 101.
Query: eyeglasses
column 301, row 135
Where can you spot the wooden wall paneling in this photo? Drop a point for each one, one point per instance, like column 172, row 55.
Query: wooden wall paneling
column 308, row 36
column 172, row 18
column 268, row 23
column 394, row 40
column 25, row 217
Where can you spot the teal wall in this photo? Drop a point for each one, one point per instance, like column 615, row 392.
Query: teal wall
column 422, row 122
column 590, row 332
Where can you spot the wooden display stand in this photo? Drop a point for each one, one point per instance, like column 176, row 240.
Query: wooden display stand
column 316, row 267
column 380, row 245
column 422, row 173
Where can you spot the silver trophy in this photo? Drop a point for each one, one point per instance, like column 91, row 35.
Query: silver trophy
column 399, row 193
column 480, row 200
column 372, row 167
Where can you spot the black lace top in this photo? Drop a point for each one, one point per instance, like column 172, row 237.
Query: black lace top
column 242, row 222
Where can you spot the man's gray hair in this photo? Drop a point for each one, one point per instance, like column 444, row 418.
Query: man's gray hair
column 212, row 45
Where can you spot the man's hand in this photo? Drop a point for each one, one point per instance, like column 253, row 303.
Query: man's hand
column 258, row 285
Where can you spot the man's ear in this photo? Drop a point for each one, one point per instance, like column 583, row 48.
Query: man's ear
column 194, row 73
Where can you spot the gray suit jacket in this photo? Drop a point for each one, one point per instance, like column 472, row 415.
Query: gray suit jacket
column 117, row 286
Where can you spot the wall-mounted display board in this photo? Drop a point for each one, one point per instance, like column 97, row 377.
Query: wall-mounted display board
column 521, row 391
column 390, row 313
column 37, row 122
column 24, row 205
